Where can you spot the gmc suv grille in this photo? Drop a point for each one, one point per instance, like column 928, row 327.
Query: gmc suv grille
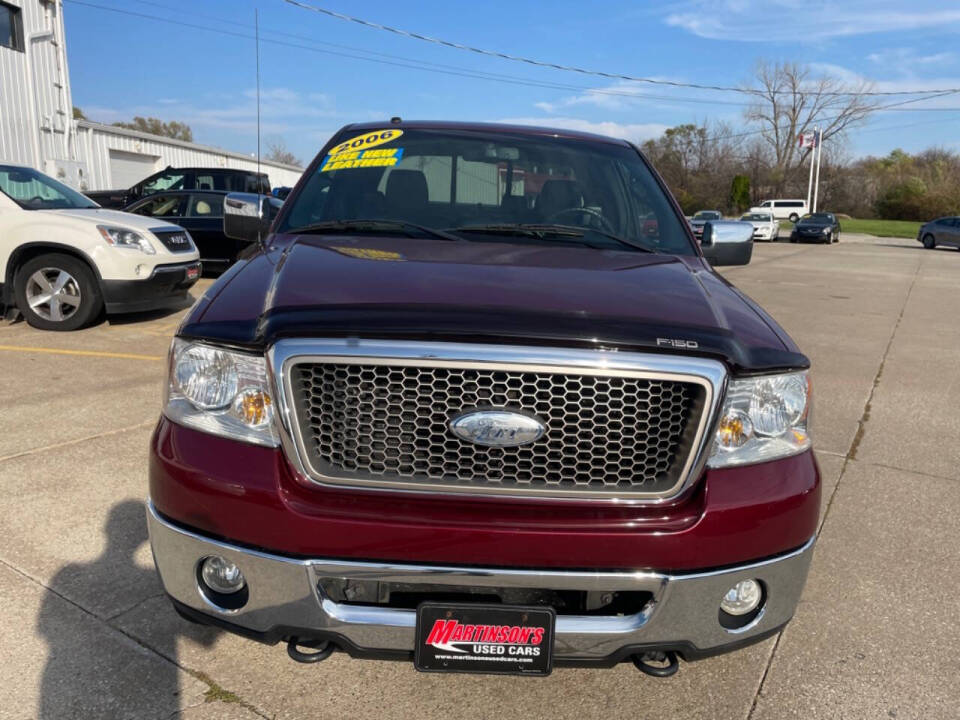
column 387, row 424
column 174, row 240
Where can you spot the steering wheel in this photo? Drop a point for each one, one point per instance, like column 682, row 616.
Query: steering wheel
column 602, row 222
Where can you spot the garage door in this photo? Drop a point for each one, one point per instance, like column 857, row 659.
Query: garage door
column 127, row 168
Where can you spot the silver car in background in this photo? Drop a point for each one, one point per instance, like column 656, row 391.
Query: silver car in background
column 942, row 231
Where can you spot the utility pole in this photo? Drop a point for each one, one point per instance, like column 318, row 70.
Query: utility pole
column 818, row 149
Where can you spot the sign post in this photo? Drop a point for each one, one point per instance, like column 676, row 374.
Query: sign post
column 810, row 140
column 818, row 149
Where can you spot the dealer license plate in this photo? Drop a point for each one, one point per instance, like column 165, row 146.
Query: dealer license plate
column 499, row 639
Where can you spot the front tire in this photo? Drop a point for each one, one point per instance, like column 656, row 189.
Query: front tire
column 57, row 292
column 929, row 242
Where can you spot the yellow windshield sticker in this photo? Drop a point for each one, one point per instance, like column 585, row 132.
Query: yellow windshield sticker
column 382, row 157
column 368, row 140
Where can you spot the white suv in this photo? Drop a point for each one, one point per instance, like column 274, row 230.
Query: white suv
column 791, row 210
column 64, row 259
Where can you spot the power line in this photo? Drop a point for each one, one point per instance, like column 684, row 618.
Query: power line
column 583, row 71
column 462, row 72
column 401, row 61
column 878, row 108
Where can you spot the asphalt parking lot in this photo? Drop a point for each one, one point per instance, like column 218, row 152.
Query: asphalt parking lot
column 87, row 632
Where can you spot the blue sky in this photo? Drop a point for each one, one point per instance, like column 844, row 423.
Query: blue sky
column 313, row 81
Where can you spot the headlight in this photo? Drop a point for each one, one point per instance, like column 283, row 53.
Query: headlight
column 123, row 238
column 220, row 392
column 763, row 418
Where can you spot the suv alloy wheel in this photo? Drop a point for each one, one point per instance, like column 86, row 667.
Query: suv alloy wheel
column 57, row 292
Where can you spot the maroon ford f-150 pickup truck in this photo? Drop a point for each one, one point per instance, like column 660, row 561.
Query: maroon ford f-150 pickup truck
column 480, row 401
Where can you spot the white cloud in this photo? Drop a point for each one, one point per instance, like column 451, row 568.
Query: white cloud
column 807, row 20
column 904, row 58
column 621, row 95
column 906, row 83
column 282, row 110
column 636, row 132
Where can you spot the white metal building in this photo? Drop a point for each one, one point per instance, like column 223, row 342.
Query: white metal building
column 36, row 115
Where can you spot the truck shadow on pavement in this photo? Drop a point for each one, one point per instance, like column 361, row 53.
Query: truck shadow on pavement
column 99, row 666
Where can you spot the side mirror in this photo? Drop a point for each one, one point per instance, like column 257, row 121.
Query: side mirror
column 727, row 242
column 248, row 216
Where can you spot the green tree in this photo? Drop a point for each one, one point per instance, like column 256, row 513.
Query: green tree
column 740, row 193
column 155, row 126
column 78, row 114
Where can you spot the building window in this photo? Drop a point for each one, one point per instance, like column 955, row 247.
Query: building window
column 11, row 27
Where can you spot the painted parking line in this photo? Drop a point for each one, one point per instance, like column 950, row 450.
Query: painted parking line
column 81, row 353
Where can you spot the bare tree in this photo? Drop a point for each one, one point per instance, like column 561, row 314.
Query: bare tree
column 277, row 152
column 791, row 100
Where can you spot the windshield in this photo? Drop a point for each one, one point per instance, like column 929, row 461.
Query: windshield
column 33, row 190
column 756, row 217
column 490, row 187
column 708, row 215
column 818, row 218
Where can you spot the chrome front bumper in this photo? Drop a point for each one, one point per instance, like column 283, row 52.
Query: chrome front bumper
column 285, row 599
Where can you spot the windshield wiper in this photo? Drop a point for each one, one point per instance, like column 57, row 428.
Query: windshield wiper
column 540, row 230
column 335, row 226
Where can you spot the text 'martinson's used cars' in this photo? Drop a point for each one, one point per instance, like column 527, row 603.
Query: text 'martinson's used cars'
column 64, row 259
column 480, row 401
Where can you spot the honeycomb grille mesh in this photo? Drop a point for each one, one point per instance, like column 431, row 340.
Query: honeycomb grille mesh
column 391, row 423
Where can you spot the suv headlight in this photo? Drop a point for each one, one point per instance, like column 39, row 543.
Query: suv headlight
column 763, row 418
column 220, row 392
column 123, row 238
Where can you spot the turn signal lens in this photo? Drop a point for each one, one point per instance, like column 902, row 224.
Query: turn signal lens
column 253, row 408
column 734, row 430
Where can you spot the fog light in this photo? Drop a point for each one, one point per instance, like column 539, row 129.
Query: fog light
column 742, row 598
column 221, row 575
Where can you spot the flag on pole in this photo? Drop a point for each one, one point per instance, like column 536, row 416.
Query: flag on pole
column 807, row 139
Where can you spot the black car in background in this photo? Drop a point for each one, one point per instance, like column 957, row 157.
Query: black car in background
column 201, row 213
column 196, row 178
column 942, row 231
column 816, row 227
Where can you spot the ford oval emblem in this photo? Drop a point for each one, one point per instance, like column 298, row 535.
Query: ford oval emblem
column 497, row 428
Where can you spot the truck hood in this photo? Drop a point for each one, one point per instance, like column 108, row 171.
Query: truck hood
column 488, row 292
column 102, row 216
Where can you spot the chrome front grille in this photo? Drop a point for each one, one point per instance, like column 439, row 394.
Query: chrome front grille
column 611, row 431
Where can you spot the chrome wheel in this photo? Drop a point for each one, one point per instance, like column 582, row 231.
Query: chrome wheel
column 53, row 294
